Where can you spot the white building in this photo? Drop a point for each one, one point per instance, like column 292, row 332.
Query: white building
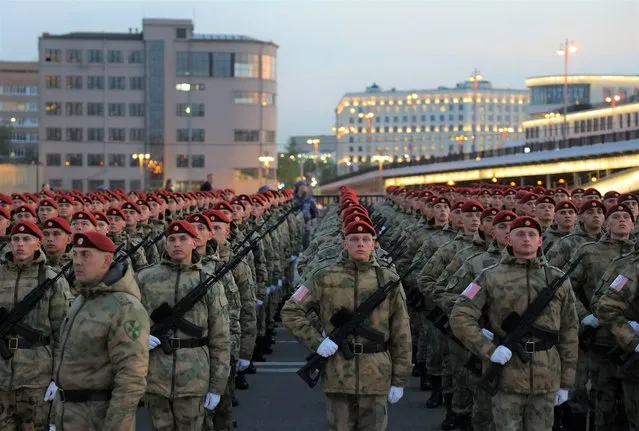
column 401, row 125
column 191, row 104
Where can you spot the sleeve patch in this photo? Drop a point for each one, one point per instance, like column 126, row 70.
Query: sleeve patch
column 471, row 291
column 619, row 283
column 300, row 293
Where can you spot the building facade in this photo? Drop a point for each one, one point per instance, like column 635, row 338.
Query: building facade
column 19, row 82
column 377, row 126
column 132, row 110
column 324, row 145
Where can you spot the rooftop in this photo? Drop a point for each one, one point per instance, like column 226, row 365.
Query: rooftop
column 94, row 36
column 535, row 81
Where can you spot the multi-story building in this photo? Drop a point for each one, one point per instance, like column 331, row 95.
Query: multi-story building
column 375, row 126
column 133, row 109
column 324, row 145
column 19, row 108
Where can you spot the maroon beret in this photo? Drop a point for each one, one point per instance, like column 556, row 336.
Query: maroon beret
column 200, row 218
column 620, row 208
column 57, row 223
column 217, row 216
column 63, row 200
column 26, row 227
column 359, row 227
column 489, row 212
column 498, row 193
column 510, row 192
column 441, row 200
column 152, row 198
column 566, row 205
column 24, row 208
column 592, row 204
column 48, row 203
column 257, row 201
column 84, row 215
column 529, row 197
column 592, row 192
column 505, row 216
column 354, row 209
column 100, row 216
column 5, row 199
column 115, row 212
column 627, row 197
column 142, row 203
column 525, row 221
column 96, row 240
column 18, row 197
column 458, row 205
column 181, row 226
column 520, row 194
column 131, row 206
column 356, row 217
column 561, row 190
column 611, row 195
column 4, row 212
column 471, row 206
column 545, row 200
column 223, row 205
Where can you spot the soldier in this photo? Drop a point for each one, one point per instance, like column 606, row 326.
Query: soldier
column 57, row 242
column 104, row 359
column 522, row 402
column 545, row 212
column 145, row 229
column 356, row 390
column 83, row 221
column 103, row 223
column 610, row 198
column 5, row 222
column 47, row 208
column 119, row 236
column 195, row 373
column 565, row 221
column 25, row 213
column 26, row 380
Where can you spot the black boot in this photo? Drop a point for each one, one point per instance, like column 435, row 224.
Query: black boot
column 258, row 356
column 424, row 381
column 465, row 423
column 266, row 346
column 557, row 423
column 418, row 368
column 574, row 421
column 435, row 399
column 234, row 401
column 240, row 381
column 450, row 422
column 251, row 369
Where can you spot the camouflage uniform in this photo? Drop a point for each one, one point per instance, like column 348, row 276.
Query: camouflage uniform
column 364, row 381
column 177, row 382
column 560, row 253
column 25, row 376
column 550, row 236
column 138, row 260
column 104, row 347
column 524, row 400
column 152, row 252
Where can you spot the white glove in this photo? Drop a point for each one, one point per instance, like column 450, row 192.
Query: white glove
column 637, row 348
column 501, row 355
column 327, row 348
column 153, row 342
column 243, row 364
column 270, row 290
column 293, row 258
column 279, row 284
column 52, row 427
column 561, row 396
column 259, row 302
column 590, row 320
column 49, row 394
column 211, row 401
column 488, row 334
column 635, row 326
column 395, row 394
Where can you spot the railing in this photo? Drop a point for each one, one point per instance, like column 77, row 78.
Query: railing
column 326, row 200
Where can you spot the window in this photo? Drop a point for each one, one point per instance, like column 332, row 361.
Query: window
column 222, row 65
column 117, row 184
column 183, row 86
column 117, row 134
column 116, row 82
column 136, row 109
column 116, row 110
column 269, row 136
column 52, row 81
column 19, row 90
column 95, row 134
column 133, row 163
column 182, row 135
column 197, row 135
column 95, row 160
column 114, row 56
column 74, row 134
column 253, row 98
column 268, row 67
column 182, row 64
column 136, row 83
column 54, row 159
column 190, row 110
column 180, row 33
column 55, row 184
column 137, row 134
column 73, row 108
column 246, row 135
column 95, row 83
column 95, row 109
column 95, row 185
column 77, row 185
column 135, row 186
column 74, row 56
column 54, row 134
column 23, row 137
column 96, row 56
column 136, row 57
column 182, row 161
column 53, row 108
column 246, row 65
column 116, row 161
column 73, row 159
column 197, row 161
column 53, row 55
column 200, row 65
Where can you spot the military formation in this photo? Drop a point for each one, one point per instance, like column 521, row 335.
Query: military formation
column 110, row 301
column 517, row 306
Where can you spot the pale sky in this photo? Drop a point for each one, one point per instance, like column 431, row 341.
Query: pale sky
column 328, row 48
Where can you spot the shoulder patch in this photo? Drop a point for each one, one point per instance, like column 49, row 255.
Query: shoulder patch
column 618, row 283
column 132, row 329
column 471, row 291
column 300, row 293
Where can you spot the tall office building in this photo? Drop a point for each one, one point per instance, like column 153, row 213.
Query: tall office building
column 134, row 109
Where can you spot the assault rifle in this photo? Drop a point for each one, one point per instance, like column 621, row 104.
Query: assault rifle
column 281, row 220
column 347, row 323
column 518, row 327
column 253, row 231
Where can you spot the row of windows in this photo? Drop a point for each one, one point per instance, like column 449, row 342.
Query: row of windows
column 426, row 129
column 117, row 160
column 18, row 106
column 411, row 100
column 118, row 134
column 585, row 126
column 225, row 65
column 93, row 56
column 19, row 90
column 94, row 109
column 21, row 122
column 441, row 118
column 76, row 82
column 253, row 98
column 17, row 137
column 78, row 184
column 514, row 136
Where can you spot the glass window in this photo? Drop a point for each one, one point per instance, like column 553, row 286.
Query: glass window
column 74, row 134
column 96, row 56
column 54, row 159
column 117, row 184
column 135, row 186
column 55, row 184
column 197, row 161
column 182, row 135
column 117, row 161
column 114, row 56
column 95, row 134
column 136, row 109
column 182, row 161
column 95, row 160
column 52, row 81
column 117, row 134
column 182, row 63
column 246, row 135
column 73, row 108
column 136, row 57
column 95, row 83
column 74, row 82
column 54, row 133
column 269, row 136
column 116, row 83
column 246, row 65
column 200, row 64
column 53, row 108
column 197, row 135
column 136, row 83
column 180, row 33
column 268, row 67
column 192, row 110
column 116, row 110
column 95, row 185
column 77, row 185
column 95, row 109
column 183, row 86
column 73, row 159
column 53, row 55
column 137, row 134
column 222, row 65
column 74, row 56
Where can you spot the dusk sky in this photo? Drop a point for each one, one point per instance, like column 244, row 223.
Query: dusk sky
column 328, row 48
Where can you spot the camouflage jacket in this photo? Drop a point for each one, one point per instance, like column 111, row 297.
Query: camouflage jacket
column 195, row 371
column 159, row 227
column 33, row 367
column 550, row 236
column 152, row 253
column 345, row 285
column 138, row 260
column 422, row 231
column 261, row 265
column 104, row 345
column 511, row 286
column 560, row 253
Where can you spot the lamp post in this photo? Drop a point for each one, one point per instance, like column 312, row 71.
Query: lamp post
column 141, row 157
column 266, row 161
column 613, row 102
column 315, row 143
column 549, row 116
column 380, row 159
column 475, row 78
column 460, row 142
column 565, row 49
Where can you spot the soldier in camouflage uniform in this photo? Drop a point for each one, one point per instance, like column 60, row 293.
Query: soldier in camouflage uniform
column 194, row 375
column 565, row 221
column 145, row 229
column 119, row 236
column 356, row 390
column 56, row 242
column 5, row 222
column 104, row 358
column 632, row 202
column 526, row 392
column 47, row 208
column 26, row 380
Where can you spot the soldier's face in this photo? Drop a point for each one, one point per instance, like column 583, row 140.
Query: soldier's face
column 528, row 208
column 456, row 218
column 117, row 223
column 560, row 197
column 131, row 217
column 25, row 216
column 64, row 209
column 610, row 202
column 4, row 224
column 593, row 218
column 545, row 212
column 578, row 199
column 23, row 246
column 55, row 240
column 634, row 207
column 220, row 232
column 525, row 241
column 81, row 226
column 509, row 201
column 359, row 246
column 620, row 224
column 566, row 218
column 427, row 211
column 90, row 265
column 45, row 213
column 441, row 212
column 257, row 210
column 501, row 231
column 496, row 201
column 471, row 222
column 487, row 226
column 179, row 247
column 204, row 234
column 103, row 227
column 155, row 209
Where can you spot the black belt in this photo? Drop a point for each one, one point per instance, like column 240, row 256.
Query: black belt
column 360, row 348
column 536, row 346
column 15, row 343
column 186, row 343
column 84, row 395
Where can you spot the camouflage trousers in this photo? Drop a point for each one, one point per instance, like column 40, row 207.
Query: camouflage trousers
column 482, row 418
column 631, row 399
column 261, row 321
column 85, row 416
column 462, row 391
column 608, row 389
column 421, row 335
column 516, row 412
column 578, row 400
column 221, row 419
column 178, row 414
column 347, row 412
column 23, row 409
column 436, row 342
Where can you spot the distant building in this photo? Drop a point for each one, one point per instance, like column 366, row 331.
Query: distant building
column 19, row 107
column 190, row 104
column 326, row 145
column 402, row 125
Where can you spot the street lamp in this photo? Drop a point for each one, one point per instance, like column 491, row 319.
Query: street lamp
column 613, row 102
column 141, row 157
column 460, row 142
column 315, row 143
column 565, row 49
column 475, row 78
column 549, row 116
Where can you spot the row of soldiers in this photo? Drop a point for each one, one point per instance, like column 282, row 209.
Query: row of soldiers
column 455, row 235
column 110, row 263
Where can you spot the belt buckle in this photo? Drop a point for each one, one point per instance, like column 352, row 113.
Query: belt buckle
column 13, row 343
column 529, row 347
column 175, row 343
column 61, row 393
column 358, row 348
